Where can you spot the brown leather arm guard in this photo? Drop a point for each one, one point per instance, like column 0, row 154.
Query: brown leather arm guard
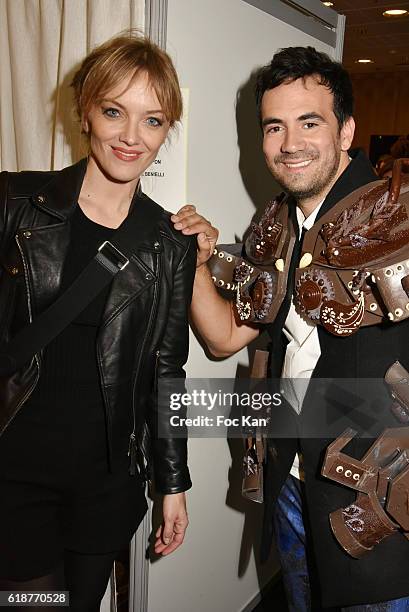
column 381, row 478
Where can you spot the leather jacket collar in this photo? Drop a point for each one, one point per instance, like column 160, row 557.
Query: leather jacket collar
column 59, row 198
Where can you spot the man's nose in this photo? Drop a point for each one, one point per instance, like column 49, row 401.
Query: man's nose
column 293, row 141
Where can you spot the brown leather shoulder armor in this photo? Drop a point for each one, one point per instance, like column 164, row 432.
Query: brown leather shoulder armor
column 354, row 267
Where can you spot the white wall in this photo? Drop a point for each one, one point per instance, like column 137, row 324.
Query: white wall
column 216, row 44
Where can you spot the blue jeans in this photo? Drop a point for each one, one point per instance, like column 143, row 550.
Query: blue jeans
column 291, row 546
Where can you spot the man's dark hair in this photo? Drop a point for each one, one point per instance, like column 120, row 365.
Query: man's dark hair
column 295, row 63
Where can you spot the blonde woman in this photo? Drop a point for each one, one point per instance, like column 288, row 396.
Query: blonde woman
column 71, row 420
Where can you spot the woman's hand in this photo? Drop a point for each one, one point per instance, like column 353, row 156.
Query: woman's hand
column 188, row 221
column 170, row 534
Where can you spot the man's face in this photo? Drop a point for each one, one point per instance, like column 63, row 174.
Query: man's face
column 302, row 143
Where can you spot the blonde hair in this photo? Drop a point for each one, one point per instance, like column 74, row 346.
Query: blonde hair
column 124, row 57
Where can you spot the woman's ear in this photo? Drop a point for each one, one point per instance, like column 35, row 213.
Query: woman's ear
column 85, row 125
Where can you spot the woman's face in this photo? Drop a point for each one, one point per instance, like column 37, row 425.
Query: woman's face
column 126, row 129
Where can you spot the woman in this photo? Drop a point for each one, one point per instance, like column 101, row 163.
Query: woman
column 73, row 417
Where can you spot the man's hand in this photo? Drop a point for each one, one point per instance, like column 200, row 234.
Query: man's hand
column 188, row 221
column 170, row 534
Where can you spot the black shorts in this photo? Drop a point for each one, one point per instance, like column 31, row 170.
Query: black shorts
column 56, row 493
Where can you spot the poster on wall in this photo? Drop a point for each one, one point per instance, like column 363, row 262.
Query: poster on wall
column 165, row 179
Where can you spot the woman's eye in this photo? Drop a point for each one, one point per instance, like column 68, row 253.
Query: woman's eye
column 111, row 112
column 153, row 122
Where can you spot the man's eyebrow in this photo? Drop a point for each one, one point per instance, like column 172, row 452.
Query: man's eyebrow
column 270, row 120
column 311, row 115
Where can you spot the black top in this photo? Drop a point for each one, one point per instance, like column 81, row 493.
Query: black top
column 69, row 381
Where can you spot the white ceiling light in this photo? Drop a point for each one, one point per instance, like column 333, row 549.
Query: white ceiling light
column 328, row 3
column 395, row 12
column 365, row 61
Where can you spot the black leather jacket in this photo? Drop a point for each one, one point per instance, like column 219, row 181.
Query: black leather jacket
column 144, row 331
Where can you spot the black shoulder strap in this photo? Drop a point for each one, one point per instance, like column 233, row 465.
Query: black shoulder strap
column 112, row 257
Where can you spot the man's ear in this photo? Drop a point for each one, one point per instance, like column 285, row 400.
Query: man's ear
column 347, row 134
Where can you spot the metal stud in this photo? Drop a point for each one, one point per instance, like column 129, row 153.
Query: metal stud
column 390, row 315
column 14, row 271
column 373, row 306
column 41, row 199
column 388, row 272
column 220, row 283
column 339, row 469
column 280, row 265
column 356, row 477
column 373, row 279
column 348, row 473
column 398, row 312
column 229, row 258
column 148, row 276
column 399, row 267
column 305, row 260
column 214, row 251
column 221, row 254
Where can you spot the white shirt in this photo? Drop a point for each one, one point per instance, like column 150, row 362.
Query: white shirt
column 303, row 349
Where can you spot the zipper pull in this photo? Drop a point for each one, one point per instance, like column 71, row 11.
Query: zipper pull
column 131, row 441
column 132, row 454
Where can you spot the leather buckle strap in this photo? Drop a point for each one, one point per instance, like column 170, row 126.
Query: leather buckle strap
column 111, row 257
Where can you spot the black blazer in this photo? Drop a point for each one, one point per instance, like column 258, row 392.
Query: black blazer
column 384, row 572
column 143, row 336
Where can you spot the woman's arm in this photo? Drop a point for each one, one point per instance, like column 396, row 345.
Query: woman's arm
column 169, row 452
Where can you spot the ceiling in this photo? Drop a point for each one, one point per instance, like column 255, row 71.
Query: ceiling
column 369, row 34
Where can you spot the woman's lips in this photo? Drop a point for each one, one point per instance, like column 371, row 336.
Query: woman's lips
column 128, row 156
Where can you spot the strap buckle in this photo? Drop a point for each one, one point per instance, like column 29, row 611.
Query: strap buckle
column 112, row 257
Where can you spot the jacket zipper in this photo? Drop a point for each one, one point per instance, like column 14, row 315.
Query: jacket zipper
column 30, row 316
column 132, row 450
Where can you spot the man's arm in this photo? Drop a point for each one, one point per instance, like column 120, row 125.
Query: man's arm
column 213, row 316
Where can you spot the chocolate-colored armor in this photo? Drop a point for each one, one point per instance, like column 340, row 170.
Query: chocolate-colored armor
column 381, row 479
column 353, row 269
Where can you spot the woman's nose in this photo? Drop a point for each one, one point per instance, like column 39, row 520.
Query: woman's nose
column 130, row 134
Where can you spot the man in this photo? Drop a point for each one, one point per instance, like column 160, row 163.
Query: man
column 305, row 105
